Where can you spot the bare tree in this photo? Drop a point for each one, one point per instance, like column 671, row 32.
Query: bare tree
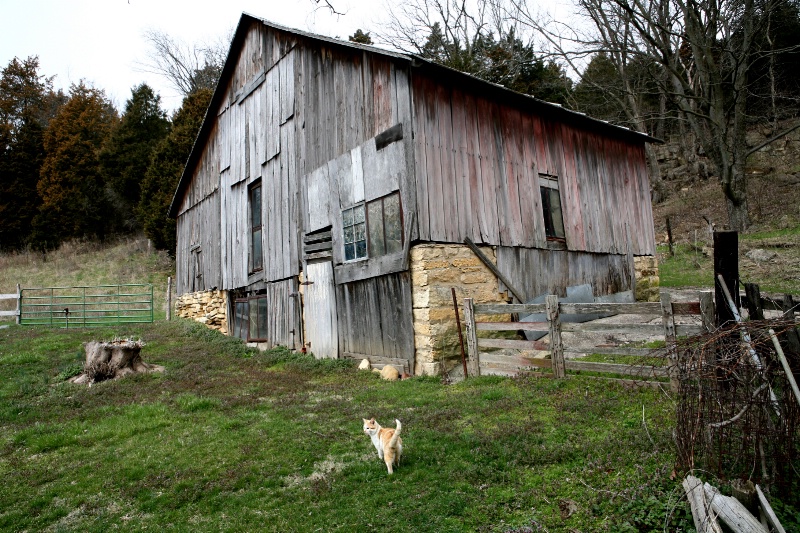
column 187, row 67
column 704, row 51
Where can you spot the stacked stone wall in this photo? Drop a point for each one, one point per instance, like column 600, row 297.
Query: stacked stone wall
column 207, row 307
column 435, row 269
column 647, row 278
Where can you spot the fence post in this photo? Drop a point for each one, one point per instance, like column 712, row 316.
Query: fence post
column 472, row 337
column 754, row 309
column 792, row 336
column 19, row 303
column 707, row 310
column 556, row 346
column 726, row 264
column 169, row 297
column 668, row 320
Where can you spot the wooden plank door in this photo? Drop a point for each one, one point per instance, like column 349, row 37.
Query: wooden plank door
column 321, row 333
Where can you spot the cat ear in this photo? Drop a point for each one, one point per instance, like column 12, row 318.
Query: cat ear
column 372, row 420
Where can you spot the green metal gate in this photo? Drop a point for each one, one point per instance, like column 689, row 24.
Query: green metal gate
column 102, row 305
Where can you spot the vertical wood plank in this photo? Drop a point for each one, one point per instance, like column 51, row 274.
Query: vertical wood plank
column 449, row 194
column 460, row 170
column 479, row 226
column 421, row 177
column 488, row 164
column 707, row 310
column 472, row 338
column 556, row 345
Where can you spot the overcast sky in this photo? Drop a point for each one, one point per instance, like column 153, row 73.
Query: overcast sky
column 101, row 41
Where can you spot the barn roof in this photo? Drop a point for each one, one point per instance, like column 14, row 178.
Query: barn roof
column 435, row 70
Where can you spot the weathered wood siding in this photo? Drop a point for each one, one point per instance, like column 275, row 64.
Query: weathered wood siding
column 536, row 271
column 477, row 173
column 345, row 99
column 375, row 317
column 278, row 315
column 198, row 226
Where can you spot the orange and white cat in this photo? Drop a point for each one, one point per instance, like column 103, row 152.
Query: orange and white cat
column 386, row 440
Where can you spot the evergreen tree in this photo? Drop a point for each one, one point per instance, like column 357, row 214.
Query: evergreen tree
column 26, row 102
column 166, row 167
column 125, row 157
column 360, row 37
column 506, row 61
column 71, row 184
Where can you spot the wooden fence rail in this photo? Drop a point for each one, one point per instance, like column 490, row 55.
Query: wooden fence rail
column 15, row 297
column 481, row 361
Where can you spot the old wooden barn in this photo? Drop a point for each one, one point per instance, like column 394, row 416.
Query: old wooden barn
column 332, row 185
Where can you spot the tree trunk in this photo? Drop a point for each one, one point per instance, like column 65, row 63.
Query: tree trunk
column 736, row 200
column 658, row 187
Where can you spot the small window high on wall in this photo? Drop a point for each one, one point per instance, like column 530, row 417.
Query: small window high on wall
column 551, row 207
column 373, row 229
column 256, row 261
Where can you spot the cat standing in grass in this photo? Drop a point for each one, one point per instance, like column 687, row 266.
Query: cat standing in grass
column 386, row 440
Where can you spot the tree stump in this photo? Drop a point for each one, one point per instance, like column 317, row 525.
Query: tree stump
column 112, row 360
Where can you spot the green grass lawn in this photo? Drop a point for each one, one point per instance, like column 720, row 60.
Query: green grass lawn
column 237, row 440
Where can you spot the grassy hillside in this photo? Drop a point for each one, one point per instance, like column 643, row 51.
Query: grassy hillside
column 237, row 440
column 79, row 263
column 775, row 210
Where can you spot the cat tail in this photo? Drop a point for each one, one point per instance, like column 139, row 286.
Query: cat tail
column 393, row 440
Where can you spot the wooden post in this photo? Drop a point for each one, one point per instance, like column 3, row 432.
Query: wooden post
column 169, row 298
column 668, row 320
column 732, row 512
column 556, row 346
column 792, row 337
column 753, row 293
column 631, row 260
column 726, row 264
column 770, row 514
column 458, row 327
column 707, row 310
column 472, row 337
column 703, row 521
column 19, row 302
column 785, row 364
column 669, row 238
column 491, row 266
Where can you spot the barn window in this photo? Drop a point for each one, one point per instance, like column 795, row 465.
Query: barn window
column 373, row 229
column 256, row 255
column 354, row 227
column 259, row 314
column 385, row 225
column 241, row 321
column 551, row 207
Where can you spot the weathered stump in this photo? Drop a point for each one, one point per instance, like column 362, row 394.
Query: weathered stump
column 112, row 360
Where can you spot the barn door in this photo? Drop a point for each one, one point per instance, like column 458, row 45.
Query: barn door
column 321, row 333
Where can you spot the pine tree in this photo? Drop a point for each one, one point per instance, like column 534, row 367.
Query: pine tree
column 166, row 167
column 126, row 156
column 26, row 101
column 71, row 184
column 360, row 37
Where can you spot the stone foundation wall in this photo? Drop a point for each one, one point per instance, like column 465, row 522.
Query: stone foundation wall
column 647, row 280
column 435, row 269
column 208, row 307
